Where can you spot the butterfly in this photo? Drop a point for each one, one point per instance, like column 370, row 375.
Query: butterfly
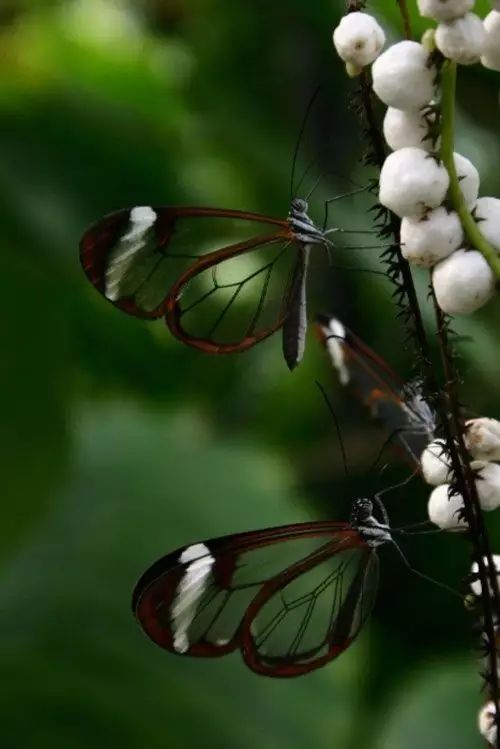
column 216, row 276
column 289, row 598
column 399, row 406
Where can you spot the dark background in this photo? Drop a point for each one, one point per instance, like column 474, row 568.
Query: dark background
column 119, row 444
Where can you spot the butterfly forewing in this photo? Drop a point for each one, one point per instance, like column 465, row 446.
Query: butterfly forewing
column 144, row 259
column 206, row 599
column 357, row 364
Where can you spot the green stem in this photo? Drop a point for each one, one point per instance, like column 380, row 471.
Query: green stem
column 405, row 17
column 448, row 85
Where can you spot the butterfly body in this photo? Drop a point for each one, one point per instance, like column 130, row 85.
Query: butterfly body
column 290, row 598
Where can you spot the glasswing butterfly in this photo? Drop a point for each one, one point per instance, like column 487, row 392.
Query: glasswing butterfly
column 290, row 598
column 214, row 275
column 399, row 406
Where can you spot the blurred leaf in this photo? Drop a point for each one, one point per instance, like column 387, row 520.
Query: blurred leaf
column 35, row 384
column 435, row 708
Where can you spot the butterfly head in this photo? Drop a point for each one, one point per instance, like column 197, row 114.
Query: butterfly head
column 362, row 510
column 302, row 226
column 299, row 206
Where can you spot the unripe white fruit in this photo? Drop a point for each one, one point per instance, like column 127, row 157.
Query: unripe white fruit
column 462, row 40
column 469, row 178
column 491, row 52
column 463, row 282
column 401, row 76
column 358, row 39
column 482, row 438
column 486, row 723
column 435, row 463
column 443, row 510
column 412, row 181
column 476, row 586
column 487, row 215
column 406, row 128
column 428, row 239
column 487, row 484
column 444, row 10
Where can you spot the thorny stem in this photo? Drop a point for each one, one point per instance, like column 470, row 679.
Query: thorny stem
column 466, row 486
column 448, row 407
column 464, row 475
column 377, row 142
column 477, row 240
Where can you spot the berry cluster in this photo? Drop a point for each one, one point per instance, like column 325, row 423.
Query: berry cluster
column 431, row 197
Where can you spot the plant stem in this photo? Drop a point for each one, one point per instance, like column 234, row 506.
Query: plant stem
column 405, row 17
column 454, row 430
column 448, row 86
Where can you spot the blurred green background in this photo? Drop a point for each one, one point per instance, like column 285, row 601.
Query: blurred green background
column 119, row 444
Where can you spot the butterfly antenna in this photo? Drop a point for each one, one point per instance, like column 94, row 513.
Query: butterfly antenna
column 299, row 138
column 395, row 433
column 337, row 425
column 397, row 486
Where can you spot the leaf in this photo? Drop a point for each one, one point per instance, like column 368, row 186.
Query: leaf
column 437, row 708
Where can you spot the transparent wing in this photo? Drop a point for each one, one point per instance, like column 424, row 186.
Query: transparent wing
column 400, row 408
column 231, row 299
column 356, row 363
column 197, row 600
column 311, row 614
column 224, row 265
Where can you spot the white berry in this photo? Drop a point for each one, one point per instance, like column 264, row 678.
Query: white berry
column 402, row 77
column 435, row 463
column 444, row 10
column 412, row 181
column 487, row 484
column 445, row 511
column 491, row 52
column 462, row 40
column 468, row 178
column 358, row 39
column 476, row 586
column 487, row 215
column 406, row 128
column 486, row 723
column 463, row 282
column 428, row 239
column 482, row 438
